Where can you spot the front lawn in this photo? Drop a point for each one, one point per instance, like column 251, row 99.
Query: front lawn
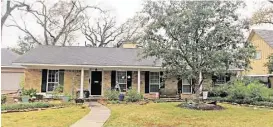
column 63, row 117
column 168, row 115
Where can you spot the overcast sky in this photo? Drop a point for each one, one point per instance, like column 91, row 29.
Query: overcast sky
column 122, row 9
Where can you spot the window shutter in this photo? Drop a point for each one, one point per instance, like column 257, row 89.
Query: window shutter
column 44, row 80
column 61, row 77
column 162, row 82
column 228, row 77
column 113, row 79
column 147, row 81
column 129, row 80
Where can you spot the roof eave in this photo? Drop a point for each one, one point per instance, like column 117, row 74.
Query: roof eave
column 90, row 66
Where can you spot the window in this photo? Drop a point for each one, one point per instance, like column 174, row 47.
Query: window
column 52, row 80
column 186, row 87
column 220, row 79
column 154, row 81
column 258, row 55
column 121, row 79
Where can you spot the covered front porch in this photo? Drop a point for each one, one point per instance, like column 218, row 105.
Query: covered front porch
column 95, row 79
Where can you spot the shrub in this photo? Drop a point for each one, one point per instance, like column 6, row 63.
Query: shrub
column 112, row 95
column 219, row 91
column 237, row 91
column 3, row 99
column 30, row 92
column 133, row 96
column 57, row 91
column 258, row 92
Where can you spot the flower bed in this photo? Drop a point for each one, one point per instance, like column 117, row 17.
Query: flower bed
column 31, row 106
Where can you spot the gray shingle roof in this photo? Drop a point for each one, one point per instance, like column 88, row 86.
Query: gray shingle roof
column 7, row 57
column 267, row 35
column 73, row 55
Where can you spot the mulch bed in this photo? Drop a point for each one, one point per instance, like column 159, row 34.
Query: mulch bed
column 201, row 106
column 30, row 109
column 105, row 102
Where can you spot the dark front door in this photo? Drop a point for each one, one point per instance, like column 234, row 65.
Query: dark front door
column 96, row 83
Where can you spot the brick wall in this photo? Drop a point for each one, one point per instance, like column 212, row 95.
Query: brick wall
column 33, row 79
column 106, row 81
column 72, row 81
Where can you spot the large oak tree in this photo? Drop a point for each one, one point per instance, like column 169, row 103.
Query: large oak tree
column 195, row 38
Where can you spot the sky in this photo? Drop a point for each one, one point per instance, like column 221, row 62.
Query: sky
column 121, row 9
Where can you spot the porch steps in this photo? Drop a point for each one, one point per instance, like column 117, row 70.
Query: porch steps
column 93, row 98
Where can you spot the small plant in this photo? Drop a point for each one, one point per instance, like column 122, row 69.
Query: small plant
column 57, row 91
column 112, row 95
column 3, row 99
column 133, row 96
column 30, row 92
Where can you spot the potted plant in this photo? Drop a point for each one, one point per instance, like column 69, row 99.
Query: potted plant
column 66, row 97
column 28, row 94
column 58, row 91
column 121, row 97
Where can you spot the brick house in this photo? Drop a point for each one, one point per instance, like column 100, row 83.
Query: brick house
column 97, row 70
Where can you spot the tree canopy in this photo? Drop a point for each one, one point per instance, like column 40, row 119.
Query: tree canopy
column 194, row 38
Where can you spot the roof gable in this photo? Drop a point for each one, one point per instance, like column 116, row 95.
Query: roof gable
column 266, row 35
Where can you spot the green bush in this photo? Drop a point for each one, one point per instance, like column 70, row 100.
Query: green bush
column 238, row 91
column 3, row 99
column 111, row 95
column 133, row 96
column 30, row 92
column 258, row 92
column 219, row 91
column 242, row 92
column 57, row 91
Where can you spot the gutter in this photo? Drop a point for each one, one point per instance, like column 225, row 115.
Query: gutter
column 90, row 66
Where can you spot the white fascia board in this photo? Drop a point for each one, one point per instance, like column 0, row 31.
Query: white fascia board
column 89, row 66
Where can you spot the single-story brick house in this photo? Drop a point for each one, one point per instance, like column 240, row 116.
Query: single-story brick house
column 97, row 70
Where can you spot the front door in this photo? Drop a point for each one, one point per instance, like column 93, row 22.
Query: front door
column 96, row 82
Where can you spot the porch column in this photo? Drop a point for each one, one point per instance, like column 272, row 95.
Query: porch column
column 138, row 80
column 81, row 90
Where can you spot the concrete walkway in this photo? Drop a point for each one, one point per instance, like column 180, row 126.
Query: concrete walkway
column 96, row 118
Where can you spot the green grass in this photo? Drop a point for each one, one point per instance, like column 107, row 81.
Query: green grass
column 63, row 117
column 168, row 115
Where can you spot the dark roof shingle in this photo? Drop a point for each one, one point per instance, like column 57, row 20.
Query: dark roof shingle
column 76, row 55
column 267, row 35
column 7, row 57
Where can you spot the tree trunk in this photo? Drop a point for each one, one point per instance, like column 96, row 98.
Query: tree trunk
column 198, row 88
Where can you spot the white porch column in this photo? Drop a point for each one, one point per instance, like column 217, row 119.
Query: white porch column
column 138, row 80
column 82, row 76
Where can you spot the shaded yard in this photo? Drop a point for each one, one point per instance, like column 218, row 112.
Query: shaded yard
column 168, row 115
column 63, row 117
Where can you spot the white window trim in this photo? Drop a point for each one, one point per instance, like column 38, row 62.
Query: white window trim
column 51, row 82
column 150, row 81
column 125, row 78
column 186, row 85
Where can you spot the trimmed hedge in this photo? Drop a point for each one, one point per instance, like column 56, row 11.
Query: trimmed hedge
column 30, row 106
